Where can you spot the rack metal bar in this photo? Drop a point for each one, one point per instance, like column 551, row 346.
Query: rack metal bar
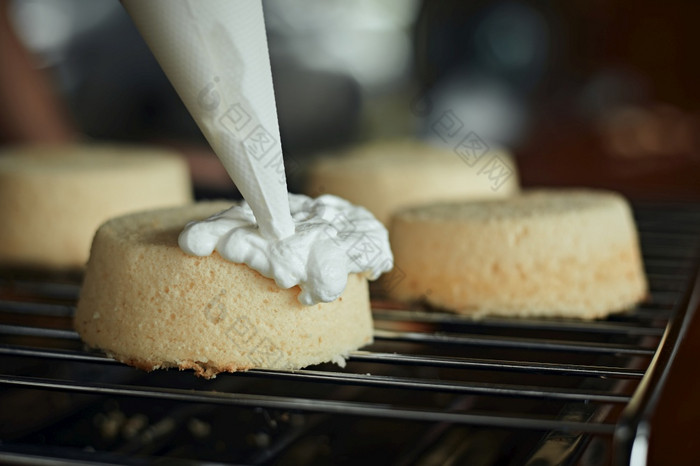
column 415, row 337
column 380, row 358
column 307, row 405
column 30, row 455
column 37, row 309
column 536, row 324
column 512, row 342
column 499, row 364
column 406, row 383
column 633, row 431
column 42, row 332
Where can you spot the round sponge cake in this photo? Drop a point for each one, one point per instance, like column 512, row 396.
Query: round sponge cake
column 53, row 198
column 148, row 304
column 571, row 253
column 389, row 175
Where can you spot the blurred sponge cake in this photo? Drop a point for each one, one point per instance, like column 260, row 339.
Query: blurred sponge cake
column 386, row 176
column 53, row 198
column 563, row 253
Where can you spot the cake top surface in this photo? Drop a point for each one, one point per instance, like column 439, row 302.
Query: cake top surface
column 160, row 227
column 333, row 240
column 541, row 203
column 73, row 159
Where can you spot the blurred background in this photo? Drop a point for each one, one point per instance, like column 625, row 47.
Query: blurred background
column 599, row 93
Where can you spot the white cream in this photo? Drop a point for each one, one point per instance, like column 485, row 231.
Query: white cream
column 332, row 239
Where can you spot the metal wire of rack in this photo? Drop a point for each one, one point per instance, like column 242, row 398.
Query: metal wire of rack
column 434, row 386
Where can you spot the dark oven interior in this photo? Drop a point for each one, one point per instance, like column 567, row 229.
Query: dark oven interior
column 434, row 388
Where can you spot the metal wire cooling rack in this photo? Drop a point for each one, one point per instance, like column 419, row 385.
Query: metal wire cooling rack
column 434, row 388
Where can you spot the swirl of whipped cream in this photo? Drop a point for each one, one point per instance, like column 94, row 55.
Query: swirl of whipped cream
column 332, row 239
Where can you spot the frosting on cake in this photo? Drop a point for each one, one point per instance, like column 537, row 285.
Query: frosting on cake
column 333, row 238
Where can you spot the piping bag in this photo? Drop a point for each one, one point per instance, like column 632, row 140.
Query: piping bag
column 214, row 52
